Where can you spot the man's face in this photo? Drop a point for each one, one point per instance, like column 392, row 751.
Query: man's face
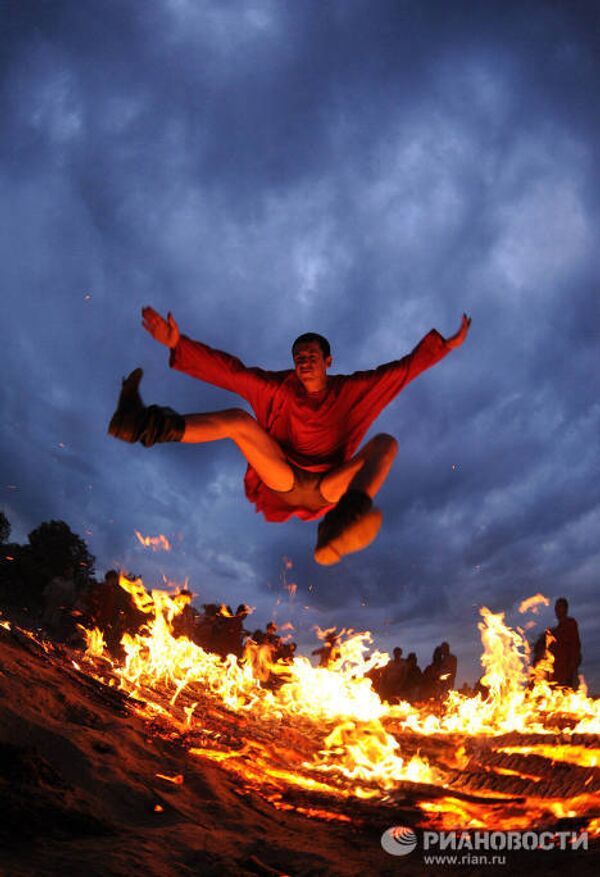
column 560, row 610
column 310, row 365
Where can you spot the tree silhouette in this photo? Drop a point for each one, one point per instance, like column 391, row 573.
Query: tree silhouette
column 25, row 570
column 55, row 548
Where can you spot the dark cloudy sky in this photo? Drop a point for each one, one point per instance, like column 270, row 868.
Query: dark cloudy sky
column 363, row 169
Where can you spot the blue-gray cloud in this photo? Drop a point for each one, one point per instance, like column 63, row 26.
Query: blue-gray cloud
column 264, row 168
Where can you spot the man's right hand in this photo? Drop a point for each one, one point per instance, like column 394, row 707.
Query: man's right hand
column 459, row 338
column 164, row 331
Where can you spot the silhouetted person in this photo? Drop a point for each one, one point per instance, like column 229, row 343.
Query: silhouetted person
column 60, row 595
column 539, row 649
column 538, row 670
column 223, row 633
column 566, row 648
column 375, row 674
column 288, row 652
column 481, row 689
column 431, row 676
column 260, row 652
column 413, row 680
column 394, row 677
column 185, row 624
column 447, row 669
column 113, row 610
column 329, row 652
column 104, row 604
column 272, row 637
column 238, row 631
column 205, row 626
column 132, row 618
column 231, row 631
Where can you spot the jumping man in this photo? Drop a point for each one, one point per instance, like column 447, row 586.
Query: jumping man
column 301, row 445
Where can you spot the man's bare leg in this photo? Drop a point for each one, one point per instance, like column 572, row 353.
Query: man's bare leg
column 260, row 450
column 133, row 421
column 353, row 524
column 366, row 471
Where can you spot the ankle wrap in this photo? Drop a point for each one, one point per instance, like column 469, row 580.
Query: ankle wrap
column 161, row 425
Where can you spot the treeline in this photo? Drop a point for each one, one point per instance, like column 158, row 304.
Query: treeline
column 26, row 570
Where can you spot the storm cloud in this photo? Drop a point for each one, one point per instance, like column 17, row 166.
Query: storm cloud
column 365, row 170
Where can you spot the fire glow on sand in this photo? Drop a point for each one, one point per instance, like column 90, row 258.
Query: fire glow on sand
column 319, row 740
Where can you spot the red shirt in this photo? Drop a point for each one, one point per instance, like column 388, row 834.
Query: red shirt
column 317, row 431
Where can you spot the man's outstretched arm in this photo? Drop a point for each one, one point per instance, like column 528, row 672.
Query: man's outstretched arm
column 430, row 350
column 372, row 390
column 203, row 362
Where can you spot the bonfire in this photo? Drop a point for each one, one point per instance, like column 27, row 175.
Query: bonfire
column 322, row 742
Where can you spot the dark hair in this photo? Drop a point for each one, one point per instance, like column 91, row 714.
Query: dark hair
column 313, row 336
column 562, row 600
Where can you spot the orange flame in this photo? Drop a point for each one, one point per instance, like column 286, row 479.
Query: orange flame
column 94, row 642
column 156, row 543
column 534, row 603
column 355, row 753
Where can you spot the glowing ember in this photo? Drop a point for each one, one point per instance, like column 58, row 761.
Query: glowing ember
column 176, row 780
column 156, row 543
column 534, row 603
column 570, row 754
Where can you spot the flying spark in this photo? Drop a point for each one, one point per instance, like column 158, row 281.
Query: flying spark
column 534, row 603
column 156, row 543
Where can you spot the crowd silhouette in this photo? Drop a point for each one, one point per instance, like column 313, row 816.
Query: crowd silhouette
column 219, row 630
column 401, row 679
column 66, row 599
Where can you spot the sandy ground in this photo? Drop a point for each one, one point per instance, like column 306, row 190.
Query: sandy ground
column 79, row 796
